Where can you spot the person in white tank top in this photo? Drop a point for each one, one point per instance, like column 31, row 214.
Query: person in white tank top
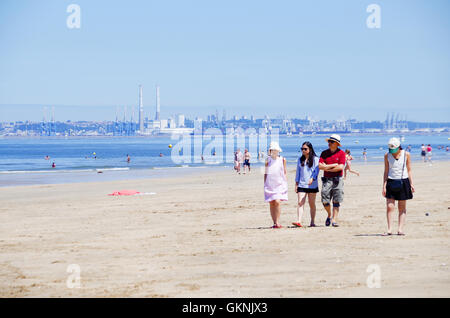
column 397, row 169
column 397, row 183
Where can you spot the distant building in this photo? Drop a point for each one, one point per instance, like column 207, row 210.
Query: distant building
column 180, row 120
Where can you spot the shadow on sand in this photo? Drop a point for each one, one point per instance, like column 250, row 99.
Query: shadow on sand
column 283, row 227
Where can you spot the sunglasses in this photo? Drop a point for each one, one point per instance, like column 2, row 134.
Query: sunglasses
column 304, row 149
column 331, row 141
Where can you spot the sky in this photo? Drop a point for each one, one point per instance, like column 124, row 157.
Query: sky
column 257, row 57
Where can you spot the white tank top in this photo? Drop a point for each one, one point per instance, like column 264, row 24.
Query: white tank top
column 396, row 166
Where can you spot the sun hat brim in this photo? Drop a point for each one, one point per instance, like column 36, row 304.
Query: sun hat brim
column 275, row 147
column 333, row 139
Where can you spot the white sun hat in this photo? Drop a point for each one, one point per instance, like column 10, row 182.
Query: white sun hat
column 275, row 146
column 335, row 138
column 393, row 143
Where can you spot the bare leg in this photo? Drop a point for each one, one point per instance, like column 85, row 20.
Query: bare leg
column 401, row 215
column 335, row 214
column 328, row 209
column 275, row 211
column 390, row 207
column 312, row 206
column 300, row 205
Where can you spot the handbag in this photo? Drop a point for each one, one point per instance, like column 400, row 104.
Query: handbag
column 396, row 185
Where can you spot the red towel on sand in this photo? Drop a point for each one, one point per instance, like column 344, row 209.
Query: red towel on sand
column 125, row 192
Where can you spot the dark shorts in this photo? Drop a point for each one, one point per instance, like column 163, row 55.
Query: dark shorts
column 332, row 190
column 423, row 153
column 308, row 190
column 405, row 193
column 247, row 162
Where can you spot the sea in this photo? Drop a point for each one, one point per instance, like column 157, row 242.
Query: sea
column 24, row 161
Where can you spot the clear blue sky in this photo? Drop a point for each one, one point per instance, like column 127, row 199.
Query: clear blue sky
column 248, row 57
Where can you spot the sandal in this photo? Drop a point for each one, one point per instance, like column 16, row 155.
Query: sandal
column 312, row 225
column 327, row 222
column 276, row 226
column 335, row 224
column 297, row 224
column 401, row 234
column 386, row 234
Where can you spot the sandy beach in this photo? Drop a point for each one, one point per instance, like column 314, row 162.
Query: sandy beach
column 209, row 235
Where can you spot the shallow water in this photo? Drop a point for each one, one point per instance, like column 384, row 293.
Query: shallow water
column 22, row 160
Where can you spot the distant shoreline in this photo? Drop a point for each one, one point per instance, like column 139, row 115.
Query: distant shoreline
column 283, row 135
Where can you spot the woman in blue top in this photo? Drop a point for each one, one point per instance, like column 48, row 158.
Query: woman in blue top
column 306, row 184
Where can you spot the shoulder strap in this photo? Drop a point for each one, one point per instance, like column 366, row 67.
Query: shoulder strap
column 404, row 162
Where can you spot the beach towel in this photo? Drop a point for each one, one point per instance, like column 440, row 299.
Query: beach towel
column 125, row 192
column 130, row 192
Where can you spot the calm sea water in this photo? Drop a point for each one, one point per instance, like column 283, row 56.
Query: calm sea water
column 22, row 160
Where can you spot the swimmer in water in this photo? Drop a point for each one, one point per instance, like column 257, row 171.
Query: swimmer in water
column 128, row 158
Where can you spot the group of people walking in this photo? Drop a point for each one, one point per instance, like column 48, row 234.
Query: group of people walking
column 334, row 162
column 426, row 152
column 242, row 160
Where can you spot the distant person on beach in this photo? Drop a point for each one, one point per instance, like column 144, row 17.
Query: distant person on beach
column 275, row 182
column 241, row 160
column 53, row 165
column 365, row 154
column 332, row 162
column 348, row 165
column 423, row 152
column 247, row 157
column 408, row 149
column 306, row 183
column 161, row 155
column 47, row 157
column 429, row 154
column 238, row 160
column 128, row 158
column 447, row 149
column 397, row 183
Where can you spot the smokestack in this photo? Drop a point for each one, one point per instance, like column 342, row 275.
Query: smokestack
column 157, row 103
column 141, row 111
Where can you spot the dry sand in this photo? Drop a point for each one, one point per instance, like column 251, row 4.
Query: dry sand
column 209, row 236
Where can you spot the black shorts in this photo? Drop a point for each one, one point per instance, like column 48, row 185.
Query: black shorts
column 424, row 153
column 308, row 190
column 405, row 193
column 247, row 162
